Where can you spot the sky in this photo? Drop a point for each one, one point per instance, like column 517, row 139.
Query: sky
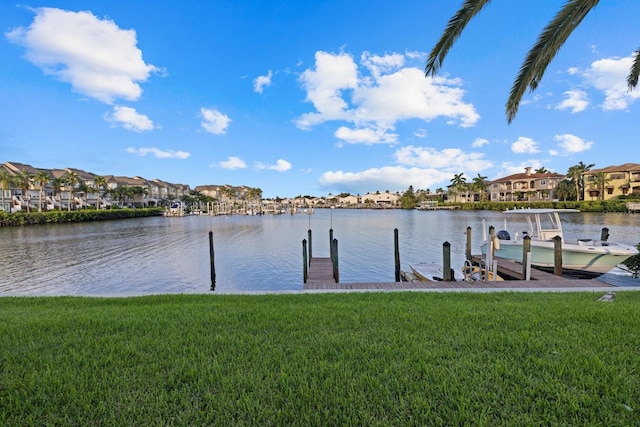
column 308, row 98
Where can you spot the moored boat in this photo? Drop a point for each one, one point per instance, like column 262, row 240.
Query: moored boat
column 582, row 257
column 432, row 272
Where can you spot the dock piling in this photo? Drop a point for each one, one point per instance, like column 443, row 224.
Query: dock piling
column 212, row 263
column 396, row 248
column 334, row 260
column 305, row 270
column 447, row 275
column 604, row 235
column 526, row 257
column 557, row 256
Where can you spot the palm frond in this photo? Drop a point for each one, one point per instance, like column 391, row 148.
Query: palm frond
column 632, row 79
column 457, row 23
column 545, row 49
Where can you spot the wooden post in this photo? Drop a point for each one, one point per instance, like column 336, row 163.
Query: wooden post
column 331, row 243
column 526, row 249
column 467, row 251
column 396, row 249
column 336, row 270
column 212, row 262
column 446, row 262
column 305, row 271
column 310, row 250
column 491, row 249
column 557, row 256
column 605, row 234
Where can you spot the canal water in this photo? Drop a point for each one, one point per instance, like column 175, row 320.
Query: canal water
column 252, row 253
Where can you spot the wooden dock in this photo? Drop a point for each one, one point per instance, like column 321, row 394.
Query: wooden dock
column 322, row 279
column 511, row 270
column 320, row 272
column 507, row 285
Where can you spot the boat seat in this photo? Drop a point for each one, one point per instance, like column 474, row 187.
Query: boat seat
column 503, row 235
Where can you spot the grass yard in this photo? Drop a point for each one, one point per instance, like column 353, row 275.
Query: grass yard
column 362, row 359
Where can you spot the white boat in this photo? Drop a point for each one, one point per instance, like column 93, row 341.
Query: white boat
column 432, row 272
column 428, row 271
column 583, row 257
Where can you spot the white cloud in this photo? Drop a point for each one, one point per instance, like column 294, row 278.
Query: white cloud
column 213, row 121
column 479, row 142
column 160, row 154
column 393, row 178
column 280, row 166
column 609, row 75
column 365, row 136
column 448, row 159
column 324, row 86
column 576, row 101
column 572, row 144
column 95, row 56
column 232, row 163
column 378, row 65
column 420, row 133
column 525, row 145
column 129, row 118
column 372, row 103
column 261, row 81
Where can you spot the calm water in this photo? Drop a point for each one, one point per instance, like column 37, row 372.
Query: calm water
column 171, row 255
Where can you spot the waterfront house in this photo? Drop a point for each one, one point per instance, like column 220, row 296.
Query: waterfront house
column 350, row 200
column 612, row 181
column 385, row 199
column 527, row 186
column 83, row 192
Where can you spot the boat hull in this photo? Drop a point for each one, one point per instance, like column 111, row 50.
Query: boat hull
column 428, row 272
column 589, row 260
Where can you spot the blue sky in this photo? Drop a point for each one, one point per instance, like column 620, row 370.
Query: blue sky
column 308, row 98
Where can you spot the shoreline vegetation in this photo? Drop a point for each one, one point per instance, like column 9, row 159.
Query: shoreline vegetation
column 83, row 215
column 400, row 358
column 87, row 215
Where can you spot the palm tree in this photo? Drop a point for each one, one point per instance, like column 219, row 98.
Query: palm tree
column 42, row 178
column 57, row 184
column 6, row 180
column 24, row 180
column 565, row 190
column 99, row 182
column 541, row 170
column 458, row 183
column 575, row 174
column 600, row 180
column 479, row 185
column 70, row 179
column 539, row 56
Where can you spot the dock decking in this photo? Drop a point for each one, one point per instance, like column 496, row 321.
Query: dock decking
column 320, row 272
column 321, row 278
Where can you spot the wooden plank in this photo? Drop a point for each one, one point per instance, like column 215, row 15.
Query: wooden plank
column 506, row 285
column 320, row 273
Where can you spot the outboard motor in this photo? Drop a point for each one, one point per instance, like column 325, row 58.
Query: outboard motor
column 503, row 235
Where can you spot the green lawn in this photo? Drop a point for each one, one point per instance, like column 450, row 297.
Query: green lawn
column 361, row 359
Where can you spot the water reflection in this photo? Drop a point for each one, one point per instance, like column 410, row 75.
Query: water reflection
column 171, row 255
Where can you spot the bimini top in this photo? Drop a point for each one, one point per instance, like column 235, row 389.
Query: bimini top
column 539, row 211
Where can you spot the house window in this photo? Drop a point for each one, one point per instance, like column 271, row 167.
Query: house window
column 543, row 182
column 617, row 176
column 609, row 190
